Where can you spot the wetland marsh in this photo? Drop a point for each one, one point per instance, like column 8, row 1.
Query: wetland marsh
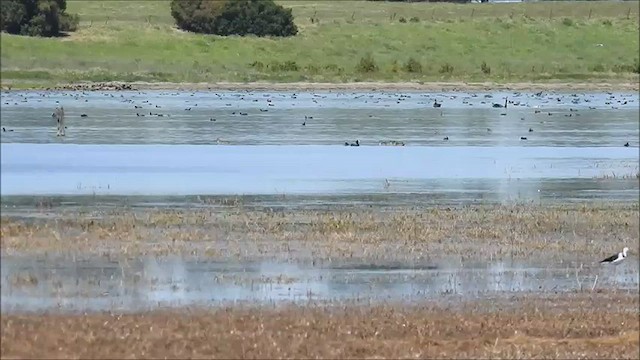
column 226, row 218
column 248, row 203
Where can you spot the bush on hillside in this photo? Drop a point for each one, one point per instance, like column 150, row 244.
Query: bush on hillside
column 36, row 17
column 367, row 64
column 413, row 66
column 196, row 15
column 234, row 17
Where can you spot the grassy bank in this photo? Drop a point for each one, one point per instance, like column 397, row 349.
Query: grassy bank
column 137, row 41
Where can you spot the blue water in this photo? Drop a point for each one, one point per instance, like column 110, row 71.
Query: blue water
column 55, row 169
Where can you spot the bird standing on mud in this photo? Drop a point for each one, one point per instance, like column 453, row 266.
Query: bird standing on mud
column 617, row 258
column 59, row 115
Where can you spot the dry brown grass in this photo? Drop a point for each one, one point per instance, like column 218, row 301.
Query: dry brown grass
column 484, row 231
column 568, row 326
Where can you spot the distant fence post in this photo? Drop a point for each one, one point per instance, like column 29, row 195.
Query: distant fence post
column 433, row 14
column 629, row 14
column 590, row 11
column 472, row 11
column 550, row 13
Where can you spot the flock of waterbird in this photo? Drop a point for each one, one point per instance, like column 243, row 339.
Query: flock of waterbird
column 514, row 100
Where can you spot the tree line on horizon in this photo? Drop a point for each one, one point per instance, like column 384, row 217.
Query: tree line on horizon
column 48, row 18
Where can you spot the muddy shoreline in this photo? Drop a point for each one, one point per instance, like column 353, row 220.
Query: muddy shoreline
column 356, row 86
column 581, row 325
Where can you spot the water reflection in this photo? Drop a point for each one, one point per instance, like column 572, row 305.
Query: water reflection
column 317, row 170
column 30, row 284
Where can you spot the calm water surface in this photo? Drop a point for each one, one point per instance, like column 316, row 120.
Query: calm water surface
column 259, row 146
column 330, row 118
column 99, row 284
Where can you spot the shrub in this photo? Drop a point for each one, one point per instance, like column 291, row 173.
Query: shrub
column 402, row 20
column 414, row 19
column 334, row 68
column 395, row 68
column 258, row 65
column 36, row 17
column 196, row 15
column 413, row 66
column 567, row 22
column 234, row 17
column 367, row 64
column 284, row 66
column 312, row 69
column 486, row 69
column 446, row 69
column 626, row 68
column 69, row 22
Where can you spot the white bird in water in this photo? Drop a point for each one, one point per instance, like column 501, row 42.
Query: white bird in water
column 617, row 258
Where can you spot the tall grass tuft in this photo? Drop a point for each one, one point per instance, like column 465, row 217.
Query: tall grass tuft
column 367, row 64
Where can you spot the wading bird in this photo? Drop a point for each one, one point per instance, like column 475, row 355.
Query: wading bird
column 617, row 258
column 58, row 114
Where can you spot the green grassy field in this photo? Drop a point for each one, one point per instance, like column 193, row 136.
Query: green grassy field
column 524, row 42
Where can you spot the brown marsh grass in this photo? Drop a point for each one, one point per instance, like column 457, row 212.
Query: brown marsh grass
column 568, row 326
column 474, row 231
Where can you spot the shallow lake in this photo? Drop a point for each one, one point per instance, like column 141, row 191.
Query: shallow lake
column 330, row 118
column 255, row 143
column 200, row 149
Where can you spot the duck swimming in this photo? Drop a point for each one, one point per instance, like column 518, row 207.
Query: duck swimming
column 500, row 105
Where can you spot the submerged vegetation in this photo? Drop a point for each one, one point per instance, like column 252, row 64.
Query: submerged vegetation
column 346, row 41
column 235, row 232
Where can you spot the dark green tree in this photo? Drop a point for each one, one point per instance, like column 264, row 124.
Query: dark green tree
column 36, row 17
column 234, row 17
column 197, row 15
